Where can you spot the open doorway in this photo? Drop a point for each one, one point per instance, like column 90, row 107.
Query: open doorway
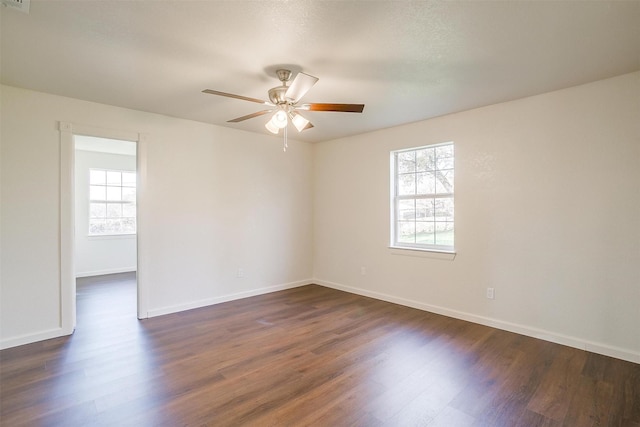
column 68, row 133
column 105, row 212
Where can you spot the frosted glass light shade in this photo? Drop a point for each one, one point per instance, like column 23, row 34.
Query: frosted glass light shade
column 271, row 127
column 299, row 122
column 279, row 119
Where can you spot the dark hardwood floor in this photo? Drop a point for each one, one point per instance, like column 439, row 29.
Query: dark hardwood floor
column 305, row 356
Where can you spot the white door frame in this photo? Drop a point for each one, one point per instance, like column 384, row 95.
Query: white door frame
column 67, row 220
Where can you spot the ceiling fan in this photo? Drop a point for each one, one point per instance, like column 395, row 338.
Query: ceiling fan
column 283, row 103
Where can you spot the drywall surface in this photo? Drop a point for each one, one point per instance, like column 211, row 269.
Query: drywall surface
column 95, row 255
column 216, row 201
column 547, row 212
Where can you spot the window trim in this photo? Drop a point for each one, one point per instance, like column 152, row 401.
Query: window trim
column 414, row 249
column 423, row 253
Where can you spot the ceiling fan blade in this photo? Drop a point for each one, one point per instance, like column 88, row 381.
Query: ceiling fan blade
column 249, row 116
column 344, row 108
column 231, row 95
column 300, row 85
column 308, row 126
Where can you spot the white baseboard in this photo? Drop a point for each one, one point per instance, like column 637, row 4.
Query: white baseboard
column 107, row 271
column 226, row 298
column 582, row 344
column 58, row 332
column 31, row 338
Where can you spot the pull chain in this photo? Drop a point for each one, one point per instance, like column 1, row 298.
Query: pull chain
column 285, row 146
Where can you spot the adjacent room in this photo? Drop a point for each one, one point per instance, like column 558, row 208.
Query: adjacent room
column 372, row 213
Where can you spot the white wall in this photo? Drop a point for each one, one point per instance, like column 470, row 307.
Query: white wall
column 547, row 213
column 216, row 199
column 95, row 255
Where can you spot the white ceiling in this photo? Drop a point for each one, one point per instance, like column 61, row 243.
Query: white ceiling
column 407, row 61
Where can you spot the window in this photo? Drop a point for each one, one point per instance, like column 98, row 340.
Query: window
column 422, row 197
column 112, row 202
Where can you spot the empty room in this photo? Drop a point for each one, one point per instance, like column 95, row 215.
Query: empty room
column 319, row 213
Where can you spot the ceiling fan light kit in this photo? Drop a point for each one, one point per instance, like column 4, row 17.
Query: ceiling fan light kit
column 299, row 122
column 271, row 127
column 284, row 101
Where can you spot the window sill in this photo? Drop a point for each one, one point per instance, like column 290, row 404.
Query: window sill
column 423, row 253
column 110, row 236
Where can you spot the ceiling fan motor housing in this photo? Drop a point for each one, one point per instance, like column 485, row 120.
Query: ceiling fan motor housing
column 277, row 95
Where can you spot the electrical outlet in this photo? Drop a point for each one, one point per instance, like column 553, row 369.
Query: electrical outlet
column 491, row 293
column 363, row 270
column 240, row 273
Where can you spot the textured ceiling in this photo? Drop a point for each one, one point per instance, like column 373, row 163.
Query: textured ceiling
column 407, row 61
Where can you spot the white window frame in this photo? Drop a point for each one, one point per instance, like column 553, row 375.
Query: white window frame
column 107, row 201
column 396, row 198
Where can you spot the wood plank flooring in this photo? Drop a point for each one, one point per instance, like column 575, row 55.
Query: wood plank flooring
column 309, row 356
